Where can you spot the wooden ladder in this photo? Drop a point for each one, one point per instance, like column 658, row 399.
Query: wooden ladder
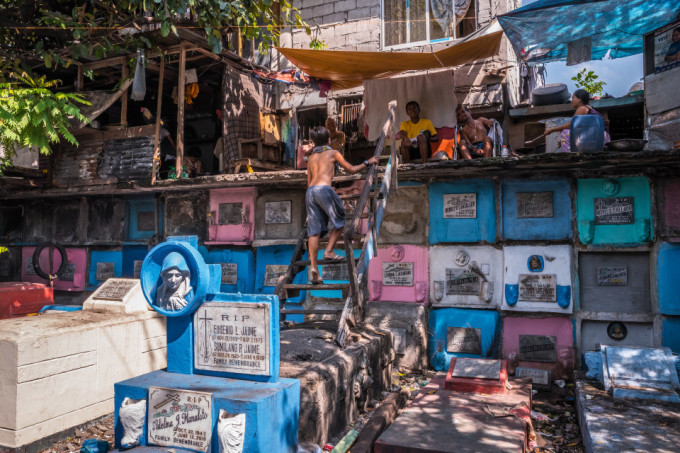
column 352, row 313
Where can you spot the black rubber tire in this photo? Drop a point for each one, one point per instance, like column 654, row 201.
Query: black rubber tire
column 36, row 259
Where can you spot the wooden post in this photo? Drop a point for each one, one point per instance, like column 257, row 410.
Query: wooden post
column 159, row 103
column 124, row 97
column 81, row 78
column 180, row 109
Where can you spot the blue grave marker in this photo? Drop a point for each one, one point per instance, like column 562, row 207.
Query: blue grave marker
column 104, row 265
column 238, row 269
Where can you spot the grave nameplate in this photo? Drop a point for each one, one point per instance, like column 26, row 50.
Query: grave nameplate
column 104, row 271
column 335, row 272
column 398, row 274
column 232, row 337
column 229, row 273
column 272, row 272
column 537, row 288
column 462, row 282
column 68, row 273
column 464, row 340
column 137, row 268
column 146, row 221
column 614, row 211
column 477, row 368
column 538, row 377
column 277, row 212
column 534, row 205
column 612, row 276
column 28, row 267
column 114, row 289
column 230, row 214
column 639, row 368
column 180, row 418
column 537, row 348
column 460, row 206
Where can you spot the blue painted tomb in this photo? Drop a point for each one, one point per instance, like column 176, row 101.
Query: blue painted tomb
column 104, row 265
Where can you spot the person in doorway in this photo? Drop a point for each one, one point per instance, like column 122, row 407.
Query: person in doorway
column 192, row 162
column 322, row 203
column 581, row 102
column 474, row 138
column 416, row 135
column 337, row 137
column 673, row 52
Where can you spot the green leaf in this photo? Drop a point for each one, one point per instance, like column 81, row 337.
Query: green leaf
column 165, row 28
column 48, row 60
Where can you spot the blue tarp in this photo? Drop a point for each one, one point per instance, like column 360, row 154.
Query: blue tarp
column 540, row 31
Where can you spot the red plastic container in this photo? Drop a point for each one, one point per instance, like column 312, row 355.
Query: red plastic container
column 19, row 299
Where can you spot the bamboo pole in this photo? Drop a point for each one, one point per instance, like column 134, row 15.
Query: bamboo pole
column 180, row 109
column 156, row 141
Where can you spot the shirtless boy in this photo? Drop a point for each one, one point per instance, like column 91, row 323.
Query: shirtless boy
column 474, row 139
column 321, row 200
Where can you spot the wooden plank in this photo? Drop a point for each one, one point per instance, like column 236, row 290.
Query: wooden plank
column 157, row 132
column 380, row 420
column 292, row 269
column 180, row 110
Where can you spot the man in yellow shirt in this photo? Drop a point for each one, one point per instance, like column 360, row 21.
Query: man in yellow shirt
column 416, row 135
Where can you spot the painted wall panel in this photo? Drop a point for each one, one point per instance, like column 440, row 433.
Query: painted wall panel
column 280, row 214
column 538, row 279
column 462, row 211
column 232, row 214
column 668, row 265
column 406, row 216
column 596, row 333
column 144, row 218
column 614, row 282
column 466, row 276
column 133, row 256
column 270, row 262
column 73, row 277
column 536, row 210
column 456, row 332
column 333, row 273
column 545, row 343
column 671, row 208
column 614, row 211
column 670, row 334
column 104, row 264
column 399, row 274
column 238, row 269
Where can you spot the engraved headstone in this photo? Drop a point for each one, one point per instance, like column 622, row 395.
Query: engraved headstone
column 229, row 273
column 612, row 275
column 180, row 418
column 464, row 340
column 398, row 274
column 460, row 206
column 477, row 368
column 232, row 337
column 277, row 211
column 537, row 287
column 114, row 289
column 137, row 268
column 335, row 272
column 534, row 205
column 272, row 272
column 463, row 282
column 146, row 221
column 68, row 273
column 538, row 377
column 537, row 348
column 104, row 271
column 28, row 266
column 229, row 213
column 614, row 211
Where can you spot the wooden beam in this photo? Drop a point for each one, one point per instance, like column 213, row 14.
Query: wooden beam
column 180, row 109
column 124, row 97
column 159, row 104
column 81, row 79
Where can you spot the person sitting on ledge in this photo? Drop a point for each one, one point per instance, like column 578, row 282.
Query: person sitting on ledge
column 416, row 135
column 474, row 139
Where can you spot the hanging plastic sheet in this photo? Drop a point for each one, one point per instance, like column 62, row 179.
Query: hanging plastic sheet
column 139, row 83
column 540, row 31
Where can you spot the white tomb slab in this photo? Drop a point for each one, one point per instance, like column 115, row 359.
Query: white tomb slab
column 118, row 295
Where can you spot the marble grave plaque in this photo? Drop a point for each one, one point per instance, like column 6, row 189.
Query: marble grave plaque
column 614, row 211
column 463, row 282
column 537, row 288
column 277, row 212
column 532, row 205
column 639, row 368
column 397, row 274
column 477, row 368
column 146, row 221
column 538, row 348
column 335, row 272
column 104, row 271
column 272, row 272
column 68, row 273
column 232, row 337
column 460, row 206
column 464, row 340
column 230, row 214
column 137, row 268
column 114, row 289
column 538, row 376
column 229, row 273
column 180, row 418
column 28, row 266
column 612, row 276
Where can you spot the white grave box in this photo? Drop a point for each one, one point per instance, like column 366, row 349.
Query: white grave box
column 118, row 295
column 538, row 279
column 466, row 276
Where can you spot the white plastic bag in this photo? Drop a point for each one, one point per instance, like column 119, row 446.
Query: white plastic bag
column 139, row 82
